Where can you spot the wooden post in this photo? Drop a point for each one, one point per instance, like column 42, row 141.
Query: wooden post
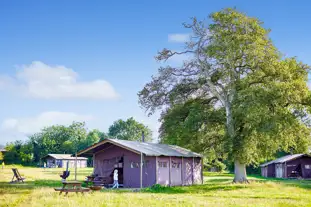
column 192, row 170
column 141, row 170
column 169, row 172
column 182, row 170
column 156, row 169
column 93, row 163
column 76, row 167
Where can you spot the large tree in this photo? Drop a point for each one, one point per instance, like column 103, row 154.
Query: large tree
column 234, row 64
column 129, row 129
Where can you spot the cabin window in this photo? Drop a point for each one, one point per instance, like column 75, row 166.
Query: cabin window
column 308, row 167
column 162, row 164
column 175, row 164
column 134, row 165
column 137, row 164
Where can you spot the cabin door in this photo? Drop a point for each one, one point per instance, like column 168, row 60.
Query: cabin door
column 279, row 171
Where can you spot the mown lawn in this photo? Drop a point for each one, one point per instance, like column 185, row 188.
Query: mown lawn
column 217, row 190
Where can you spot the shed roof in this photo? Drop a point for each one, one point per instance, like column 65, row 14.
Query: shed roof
column 283, row 159
column 147, row 148
column 64, row 157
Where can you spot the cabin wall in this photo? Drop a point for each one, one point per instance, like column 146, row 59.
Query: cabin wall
column 131, row 166
column 197, row 171
column 187, row 171
column 302, row 163
column 176, row 170
column 163, row 170
column 271, row 170
column 71, row 163
column 50, row 162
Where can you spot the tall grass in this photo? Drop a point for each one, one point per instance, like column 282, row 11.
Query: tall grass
column 217, row 190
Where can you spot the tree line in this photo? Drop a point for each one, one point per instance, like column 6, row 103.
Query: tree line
column 60, row 139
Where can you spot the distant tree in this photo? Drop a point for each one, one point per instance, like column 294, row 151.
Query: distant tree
column 1, row 156
column 92, row 137
column 95, row 136
column 264, row 95
column 58, row 139
column 129, row 130
column 12, row 154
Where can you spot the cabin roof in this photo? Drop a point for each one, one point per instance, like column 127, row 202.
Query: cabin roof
column 147, row 148
column 64, row 157
column 283, row 159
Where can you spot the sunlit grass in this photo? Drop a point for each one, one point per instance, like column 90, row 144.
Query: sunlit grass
column 217, row 190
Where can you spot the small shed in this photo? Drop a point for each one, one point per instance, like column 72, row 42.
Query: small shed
column 161, row 164
column 289, row 166
column 60, row 160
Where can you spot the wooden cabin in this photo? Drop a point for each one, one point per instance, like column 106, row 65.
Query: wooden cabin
column 289, row 166
column 61, row 160
column 161, row 164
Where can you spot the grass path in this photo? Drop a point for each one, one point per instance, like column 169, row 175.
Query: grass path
column 217, row 190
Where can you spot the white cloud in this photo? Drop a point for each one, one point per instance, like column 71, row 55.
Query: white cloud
column 40, row 80
column 178, row 38
column 31, row 125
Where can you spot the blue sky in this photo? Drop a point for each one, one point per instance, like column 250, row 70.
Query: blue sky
column 86, row 60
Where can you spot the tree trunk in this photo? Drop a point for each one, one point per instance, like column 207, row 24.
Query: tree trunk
column 239, row 169
column 229, row 121
column 239, row 173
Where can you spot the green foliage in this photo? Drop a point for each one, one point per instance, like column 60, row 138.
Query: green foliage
column 59, row 139
column 1, row 156
column 236, row 96
column 129, row 130
column 157, row 188
column 214, row 165
column 56, row 139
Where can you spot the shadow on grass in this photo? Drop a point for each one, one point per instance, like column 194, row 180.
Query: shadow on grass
column 31, row 184
column 219, row 180
column 193, row 189
column 304, row 184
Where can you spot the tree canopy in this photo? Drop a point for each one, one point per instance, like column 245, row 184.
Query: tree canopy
column 129, row 129
column 236, row 75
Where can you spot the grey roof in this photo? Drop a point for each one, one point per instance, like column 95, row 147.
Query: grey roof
column 283, row 159
column 2, row 150
column 64, row 157
column 149, row 149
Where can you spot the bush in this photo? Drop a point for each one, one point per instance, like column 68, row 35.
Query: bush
column 214, row 166
column 156, row 188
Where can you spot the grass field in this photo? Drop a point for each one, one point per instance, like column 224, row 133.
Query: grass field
column 217, row 190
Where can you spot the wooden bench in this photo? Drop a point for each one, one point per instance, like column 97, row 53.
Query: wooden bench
column 17, row 176
column 81, row 190
column 71, row 186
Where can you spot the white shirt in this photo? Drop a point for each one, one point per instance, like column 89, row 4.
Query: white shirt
column 115, row 175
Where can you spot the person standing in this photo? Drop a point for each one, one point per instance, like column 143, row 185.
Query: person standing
column 115, row 179
column 3, row 165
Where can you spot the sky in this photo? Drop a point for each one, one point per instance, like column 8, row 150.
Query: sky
column 74, row 60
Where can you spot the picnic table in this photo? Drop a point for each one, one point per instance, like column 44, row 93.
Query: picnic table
column 72, row 186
